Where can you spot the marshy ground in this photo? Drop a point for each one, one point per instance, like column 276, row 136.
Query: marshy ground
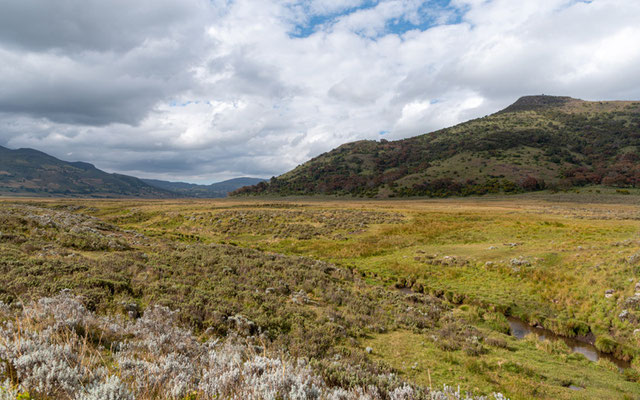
column 360, row 289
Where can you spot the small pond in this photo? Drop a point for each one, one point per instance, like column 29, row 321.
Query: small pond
column 520, row 329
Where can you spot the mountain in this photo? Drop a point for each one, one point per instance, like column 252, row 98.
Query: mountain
column 32, row 172
column 537, row 142
column 214, row 190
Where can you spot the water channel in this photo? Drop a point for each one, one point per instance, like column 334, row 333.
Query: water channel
column 520, row 329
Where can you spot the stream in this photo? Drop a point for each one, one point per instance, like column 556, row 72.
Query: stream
column 520, row 329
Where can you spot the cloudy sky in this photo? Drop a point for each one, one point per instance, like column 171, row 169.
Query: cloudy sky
column 205, row 90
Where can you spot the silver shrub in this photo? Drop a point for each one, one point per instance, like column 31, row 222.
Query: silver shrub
column 450, row 393
column 404, row 392
column 41, row 366
column 234, row 372
column 157, row 332
column 111, row 388
column 5, row 310
column 263, row 377
column 7, row 392
column 370, row 393
column 45, row 348
column 174, row 374
column 160, row 357
column 62, row 311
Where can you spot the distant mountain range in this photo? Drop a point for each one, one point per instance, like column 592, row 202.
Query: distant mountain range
column 537, row 142
column 219, row 189
column 30, row 172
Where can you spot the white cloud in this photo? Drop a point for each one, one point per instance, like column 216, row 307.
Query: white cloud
column 205, row 90
column 327, row 7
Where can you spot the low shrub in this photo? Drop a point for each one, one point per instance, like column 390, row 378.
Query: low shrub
column 44, row 356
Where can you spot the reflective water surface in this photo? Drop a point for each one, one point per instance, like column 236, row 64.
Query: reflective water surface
column 520, row 329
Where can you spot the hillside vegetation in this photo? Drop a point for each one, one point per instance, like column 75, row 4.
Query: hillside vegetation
column 32, row 172
column 538, row 142
column 29, row 172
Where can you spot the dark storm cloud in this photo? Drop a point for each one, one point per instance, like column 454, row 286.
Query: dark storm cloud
column 97, row 62
column 82, row 100
column 90, row 25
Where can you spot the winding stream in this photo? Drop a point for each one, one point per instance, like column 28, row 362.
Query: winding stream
column 520, row 329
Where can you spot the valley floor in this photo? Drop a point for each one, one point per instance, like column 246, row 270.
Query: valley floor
column 360, row 289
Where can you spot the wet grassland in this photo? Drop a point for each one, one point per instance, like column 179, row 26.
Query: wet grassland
column 422, row 290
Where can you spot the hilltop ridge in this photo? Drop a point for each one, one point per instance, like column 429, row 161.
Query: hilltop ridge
column 535, row 102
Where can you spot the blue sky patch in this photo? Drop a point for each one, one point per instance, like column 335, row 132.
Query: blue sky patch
column 430, row 14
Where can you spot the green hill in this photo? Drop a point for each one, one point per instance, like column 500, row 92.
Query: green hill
column 34, row 173
column 537, row 142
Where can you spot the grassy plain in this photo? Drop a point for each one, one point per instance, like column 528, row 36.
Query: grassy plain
column 426, row 284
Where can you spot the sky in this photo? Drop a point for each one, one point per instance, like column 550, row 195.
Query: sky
column 205, row 90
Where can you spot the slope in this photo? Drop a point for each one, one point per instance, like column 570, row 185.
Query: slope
column 32, row 172
column 537, row 142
